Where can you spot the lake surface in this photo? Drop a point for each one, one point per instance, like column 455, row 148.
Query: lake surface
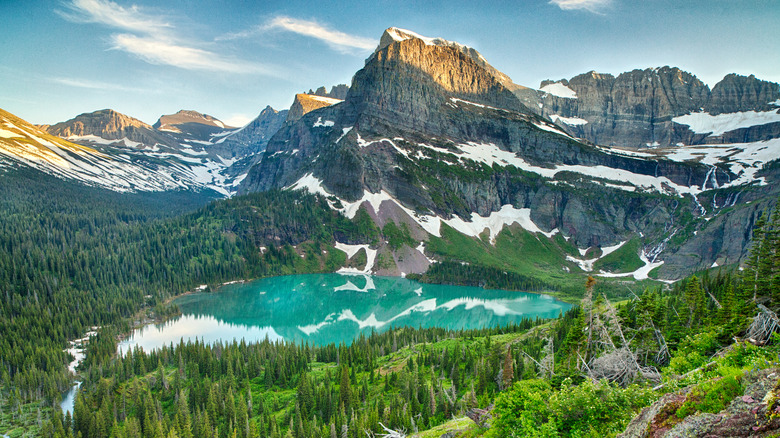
column 325, row 308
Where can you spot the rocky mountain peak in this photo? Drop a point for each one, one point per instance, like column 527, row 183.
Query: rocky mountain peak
column 394, row 34
column 743, row 93
column 642, row 107
column 171, row 121
column 306, row 103
column 105, row 123
column 336, row 92
column 426, row 74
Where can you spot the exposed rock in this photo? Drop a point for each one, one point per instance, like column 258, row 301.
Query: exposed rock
column 745, row 416
column 252, row 138
column 635, row 109
column 306, row 103
column 110, row 125
column 191, row 124
column 336, row 92
column 742, row 93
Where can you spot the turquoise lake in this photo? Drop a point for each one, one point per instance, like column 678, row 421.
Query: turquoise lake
column 333, row 308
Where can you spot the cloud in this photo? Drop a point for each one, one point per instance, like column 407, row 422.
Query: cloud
column 237, row 120
column 163, row 52
column 594, row 6
column 112, row 15
column 337, row 40
column 94, row 85
column 152, row 39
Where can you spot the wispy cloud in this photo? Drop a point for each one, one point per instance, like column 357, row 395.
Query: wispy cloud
column 337, row 40
column 595, row 6
column 153, row 39
column 112, row 15
column 163, row 52
column 93, row 85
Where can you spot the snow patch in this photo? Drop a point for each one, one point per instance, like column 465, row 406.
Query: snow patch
column 344, row 132
column 496, row 221
column 351, row 250
column 571, row 121
column 320, row 123
column 702, row 123
column 9, row 134
column 640, row 274
column 328, row 100
column 560, row 90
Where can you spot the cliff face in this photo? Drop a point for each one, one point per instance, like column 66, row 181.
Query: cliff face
column 248, row 143
column 306, row 103
column 637, row 109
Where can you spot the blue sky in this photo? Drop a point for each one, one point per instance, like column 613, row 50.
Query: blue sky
column 232, row 58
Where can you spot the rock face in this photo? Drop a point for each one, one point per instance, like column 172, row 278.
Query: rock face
column 336, row 92
column 110, row 125
column 306, row 103
column 636, row 109
column 747, row 415
column 252, row 138
column 192, row 124
column 430, row 131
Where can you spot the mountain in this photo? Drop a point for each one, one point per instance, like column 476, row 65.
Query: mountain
column 662, row 107
column 107, row 127
column 433, row 139
column 252, row 138
column 121, row 166
column 199, row 149
column 191, row 125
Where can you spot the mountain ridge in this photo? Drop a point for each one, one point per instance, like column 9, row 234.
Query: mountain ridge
column 647, row 108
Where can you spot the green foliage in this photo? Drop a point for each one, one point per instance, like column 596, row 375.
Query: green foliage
column 624, row 259
column 693, row 352
column 397, row 236
column 534, row 408
column 711, row 396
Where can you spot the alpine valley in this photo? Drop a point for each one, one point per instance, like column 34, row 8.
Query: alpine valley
column 431, row 165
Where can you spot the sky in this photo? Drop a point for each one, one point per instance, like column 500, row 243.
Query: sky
column 232, row 58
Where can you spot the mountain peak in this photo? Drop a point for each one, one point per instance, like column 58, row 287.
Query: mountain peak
column 392, row 34
column 105, row 123
column 396, row 35
column 188, row 116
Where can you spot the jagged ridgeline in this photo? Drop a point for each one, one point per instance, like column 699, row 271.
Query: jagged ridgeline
column 433, row 137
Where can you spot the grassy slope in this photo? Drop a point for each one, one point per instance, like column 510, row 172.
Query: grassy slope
column 519, row 251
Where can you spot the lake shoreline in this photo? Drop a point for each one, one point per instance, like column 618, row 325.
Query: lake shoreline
column 313, row 307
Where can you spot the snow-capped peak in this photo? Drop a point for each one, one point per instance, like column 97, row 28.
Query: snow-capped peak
column 397, row 34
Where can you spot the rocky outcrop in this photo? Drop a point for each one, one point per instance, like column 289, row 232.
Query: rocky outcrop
column 306, row 103
column 191, row 125
column 635, row 109
column 751, row 414
column 110, row 125
column 252, row 138
column 336, row 92
column 742, row 93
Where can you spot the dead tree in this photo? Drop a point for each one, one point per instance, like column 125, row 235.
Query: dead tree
column 763, row 326
column 615, row 363
column 390, row 433
column 480, row 416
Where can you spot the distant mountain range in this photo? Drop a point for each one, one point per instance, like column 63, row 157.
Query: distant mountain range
column 650, row 173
